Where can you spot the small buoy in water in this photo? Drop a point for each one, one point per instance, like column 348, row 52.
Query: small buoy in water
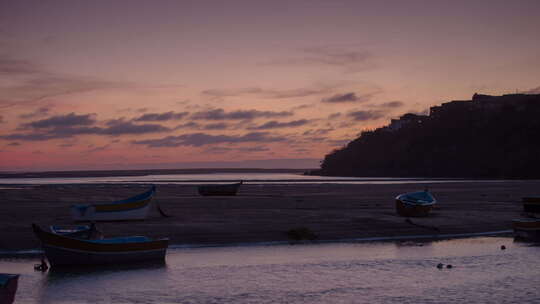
column 449, row 266
column 503, row 247
column 440, row 265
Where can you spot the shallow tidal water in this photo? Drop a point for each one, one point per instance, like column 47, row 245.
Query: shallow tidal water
column 386, row 272
column 219, row 178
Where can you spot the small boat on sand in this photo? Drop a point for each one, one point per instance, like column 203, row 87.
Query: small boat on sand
column 8, row 287
column 415, row 204
column 133, row 208
column 62, row 250
column 527, row 229
column 531, row 204
column 227, row 189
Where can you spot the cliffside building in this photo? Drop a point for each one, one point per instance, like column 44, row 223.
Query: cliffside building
column 404, row 120
column 483, row 102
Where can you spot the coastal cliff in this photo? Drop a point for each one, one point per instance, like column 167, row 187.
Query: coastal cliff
column 486, row 137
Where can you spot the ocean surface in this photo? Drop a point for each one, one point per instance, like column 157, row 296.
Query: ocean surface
column 250, row 178
column 385, row 272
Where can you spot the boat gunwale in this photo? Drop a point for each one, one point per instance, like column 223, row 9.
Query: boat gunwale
column 51, row 239
column 402, row 198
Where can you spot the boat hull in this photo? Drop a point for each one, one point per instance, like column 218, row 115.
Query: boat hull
column 91, row 213
column 8, row 288
column 415, row 204
column 134, row 208
column 219, row 190
column 527, row 229
column 62, row 257
column 531, row 204
column 413, row 210
column 66, row 251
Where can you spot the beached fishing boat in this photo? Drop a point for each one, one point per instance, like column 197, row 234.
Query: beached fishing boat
column 527, row 229
column 531, row 204
column 227, row 189
column 8, row 287
column 415, row 204
column 66, row 251
column 133, row 208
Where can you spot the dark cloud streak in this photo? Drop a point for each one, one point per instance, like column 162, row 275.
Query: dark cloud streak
column 11, row 67
column 39, row 112
column 267, row 93
column 366, row 115
column 347, row 97
column 61, row 121
column 391, row 104
column 201, row 139
column 30, row 82
column 120, row 127
column 69, row 125
column 162, row 116
column 276, row 124
column 351, row 61
column 220, row 114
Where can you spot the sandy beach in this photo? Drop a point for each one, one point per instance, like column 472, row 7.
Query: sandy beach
column 265, row 212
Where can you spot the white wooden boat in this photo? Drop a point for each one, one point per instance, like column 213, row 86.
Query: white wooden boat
column 61, row 250
column 133, row 208
column 415, row 204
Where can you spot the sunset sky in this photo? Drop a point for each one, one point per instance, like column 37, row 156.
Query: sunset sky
column 173, row 84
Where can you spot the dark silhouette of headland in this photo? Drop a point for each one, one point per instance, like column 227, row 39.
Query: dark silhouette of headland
column 486, row 137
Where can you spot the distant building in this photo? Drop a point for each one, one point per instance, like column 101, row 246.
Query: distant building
column 451, row 107
column 483, row 102
column 518, row 101
column 456, row 108
column 404, row 120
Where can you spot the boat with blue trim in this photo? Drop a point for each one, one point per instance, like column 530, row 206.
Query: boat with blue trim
column 133, row 208
column 415, row 204
column 63, row 250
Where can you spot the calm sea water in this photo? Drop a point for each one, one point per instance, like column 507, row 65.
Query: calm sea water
column 321, row 273
column 252, row 178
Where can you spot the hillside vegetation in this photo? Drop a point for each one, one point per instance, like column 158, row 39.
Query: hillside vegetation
column 486, row 137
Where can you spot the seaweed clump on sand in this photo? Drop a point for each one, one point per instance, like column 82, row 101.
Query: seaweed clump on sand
column 302, row 234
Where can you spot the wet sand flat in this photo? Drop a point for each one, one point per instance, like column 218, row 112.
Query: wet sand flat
column 265, row 212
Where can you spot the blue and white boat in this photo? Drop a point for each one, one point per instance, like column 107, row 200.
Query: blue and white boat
column 62, row 250
column 415, row 204
column 133, row 208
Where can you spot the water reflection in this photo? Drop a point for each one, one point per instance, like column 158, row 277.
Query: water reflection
column 75, row 271
column 318, row 273
column 95, row 284
column 216, row 178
